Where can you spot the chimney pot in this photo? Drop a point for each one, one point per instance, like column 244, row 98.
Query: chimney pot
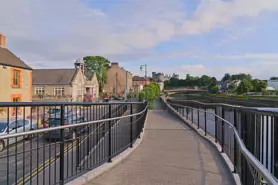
column 3, row 41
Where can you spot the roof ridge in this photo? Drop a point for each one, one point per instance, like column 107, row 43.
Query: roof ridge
column 57, row 69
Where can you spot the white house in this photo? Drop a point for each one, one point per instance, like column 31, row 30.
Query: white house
column 273, row 83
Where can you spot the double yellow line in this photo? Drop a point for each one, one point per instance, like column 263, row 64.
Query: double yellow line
column 47, row 163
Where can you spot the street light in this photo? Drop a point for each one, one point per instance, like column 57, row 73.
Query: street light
column 141, row 69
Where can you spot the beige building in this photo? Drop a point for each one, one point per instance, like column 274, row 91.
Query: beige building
column 64, row 85
column 15, row 80
column 118, row 80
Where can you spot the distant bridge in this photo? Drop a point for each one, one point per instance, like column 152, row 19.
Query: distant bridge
column 183, row 90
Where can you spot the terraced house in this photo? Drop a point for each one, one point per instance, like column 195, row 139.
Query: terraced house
column 15, row 79
column 64, row 85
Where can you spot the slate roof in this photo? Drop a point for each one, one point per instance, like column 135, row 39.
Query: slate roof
column 9, row 59
column 53, row 76
column 138, row 78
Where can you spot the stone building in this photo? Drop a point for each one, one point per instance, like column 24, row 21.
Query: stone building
column 15, row 80
column 118, row 80
column 64, row 85
column 159, row 78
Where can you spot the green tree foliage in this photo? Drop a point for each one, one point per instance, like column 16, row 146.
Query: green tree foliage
column 274, row 78
column 258, row 85
column 212, row 83
column 244, row 87
column 231, row 87
column 214, row 90
column 150, row 92
column 240, row 76
column 142, row 95
column 100, row 65
column 191, row 81
column 226, row 77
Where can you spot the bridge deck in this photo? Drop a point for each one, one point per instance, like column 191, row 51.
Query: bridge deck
column 170, row 153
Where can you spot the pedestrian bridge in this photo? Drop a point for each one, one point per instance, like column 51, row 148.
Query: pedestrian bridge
column 171, row 91
column 179, row 142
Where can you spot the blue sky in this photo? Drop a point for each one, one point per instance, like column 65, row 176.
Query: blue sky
column 199, row 37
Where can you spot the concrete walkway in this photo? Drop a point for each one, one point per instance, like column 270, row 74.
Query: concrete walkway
column 170, row 154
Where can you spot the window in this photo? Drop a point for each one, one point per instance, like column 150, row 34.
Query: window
column 39, row 90
column 16, row 98
column 16, row 78
column 59, row 91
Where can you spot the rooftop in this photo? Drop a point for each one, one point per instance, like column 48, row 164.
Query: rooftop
column 53, row 76
column 9, row 59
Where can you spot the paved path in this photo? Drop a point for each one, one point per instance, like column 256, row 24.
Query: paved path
column 170, row 154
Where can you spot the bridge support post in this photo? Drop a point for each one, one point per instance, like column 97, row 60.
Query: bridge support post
column 110, row 136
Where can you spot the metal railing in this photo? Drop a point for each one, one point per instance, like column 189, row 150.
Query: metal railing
column 53, row 143
column 231, row 135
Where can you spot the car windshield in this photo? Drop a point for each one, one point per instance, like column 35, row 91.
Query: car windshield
column 53, row 111
column 54, row 121
column 3, row 126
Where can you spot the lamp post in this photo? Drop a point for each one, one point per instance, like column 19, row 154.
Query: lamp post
column 141, row 68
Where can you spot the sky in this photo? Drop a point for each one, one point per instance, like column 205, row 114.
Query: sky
column 199, row 37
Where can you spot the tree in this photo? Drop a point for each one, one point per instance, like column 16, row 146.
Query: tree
column 231, row 87
column 274, row 78
column 167, row 83
column 258, row 85
column 213, row 82
column 214, row 90
column 100, row 65
column 241, row 76
column 226, row 77
column 142, row 96
column 244, row 87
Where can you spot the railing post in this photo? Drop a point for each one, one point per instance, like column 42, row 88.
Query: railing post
column 183, row 111
column 62, row 146
column 235, row 142
column 216, row 124
column 192, row 115
column 222, row 135
column 198, row 116
column 187, row 113
column 275, row 160
column 205, row 121
column 110, row 137
column 131, row 127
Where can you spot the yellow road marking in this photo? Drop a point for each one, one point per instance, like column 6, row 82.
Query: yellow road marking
column 36, row 171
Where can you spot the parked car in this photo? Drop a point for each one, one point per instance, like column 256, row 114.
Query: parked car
column 70, row 133
column 57, row 111
column 15, row 126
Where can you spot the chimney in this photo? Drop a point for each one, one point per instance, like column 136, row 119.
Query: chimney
column 3, row 41
column 115, row 64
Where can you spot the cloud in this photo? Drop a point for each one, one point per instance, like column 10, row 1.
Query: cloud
column 58, row 32
column 217, row 13
column 236, row 35
column 244, row 57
